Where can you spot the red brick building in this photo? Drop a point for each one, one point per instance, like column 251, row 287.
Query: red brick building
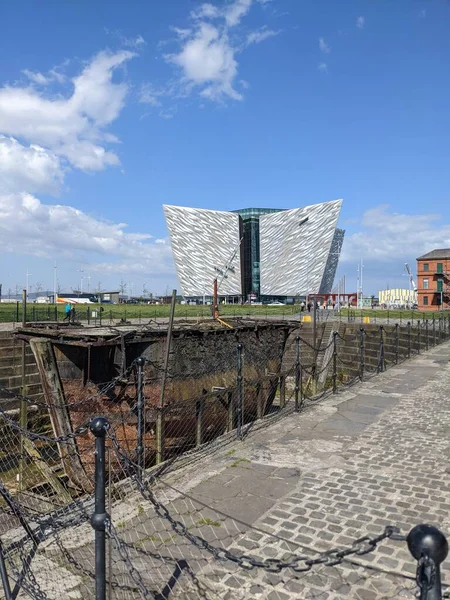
column 433, row 280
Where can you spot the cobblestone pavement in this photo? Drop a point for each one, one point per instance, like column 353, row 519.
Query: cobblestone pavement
column 371, row 456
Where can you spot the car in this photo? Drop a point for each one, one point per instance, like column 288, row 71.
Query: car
column 414, row 306
column 276, row 304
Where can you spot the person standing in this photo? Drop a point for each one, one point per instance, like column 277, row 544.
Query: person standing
column 68, row 311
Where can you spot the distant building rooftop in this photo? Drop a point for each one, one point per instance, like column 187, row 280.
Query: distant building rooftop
column 436, row 254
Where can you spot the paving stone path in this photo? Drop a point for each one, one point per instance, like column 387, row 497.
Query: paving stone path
column 373, row 455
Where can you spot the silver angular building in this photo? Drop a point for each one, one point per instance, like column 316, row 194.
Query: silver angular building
column 260, row 254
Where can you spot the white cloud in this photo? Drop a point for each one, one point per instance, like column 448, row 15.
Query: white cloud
column 255, row 37
column 71, row 127
column 206, row 11
column 323, row 67
column 31, row 168
column 41, row 137
column 27, row 226
column 150, row 95
column 360, row 22
column 388, row 236
column 207, row 58
column 323, row 46
column 235, row 12
column 41, row 79
column 207, row 55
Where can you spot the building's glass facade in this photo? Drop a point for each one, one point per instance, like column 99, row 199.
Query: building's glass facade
column 250, row 267
column 255, row 254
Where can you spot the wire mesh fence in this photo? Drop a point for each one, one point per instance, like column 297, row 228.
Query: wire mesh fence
column 157, row 535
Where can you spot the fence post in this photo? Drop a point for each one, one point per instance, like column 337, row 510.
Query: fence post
column 434, row 331
column 409, row 338
column 380, row 367
column 282, row 390
column 259, row 399
column 334, row 362
column 418, row 337
column 396, row 343
column 440, row 329
column 239, row 386
column 4, row 576
column 429, row 547
column 99, row 427
column 361, row 353
column 140, row 362
column 298, row 375
column 199, row 410
column 230, row 416
column 426, row 334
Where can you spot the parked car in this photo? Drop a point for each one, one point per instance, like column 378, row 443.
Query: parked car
column 276, row 304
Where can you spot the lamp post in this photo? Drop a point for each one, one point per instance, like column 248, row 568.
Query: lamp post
column 81, row 271
column 55, row 268
column 27, row 275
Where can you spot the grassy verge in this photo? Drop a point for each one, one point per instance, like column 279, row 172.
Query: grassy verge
column 10, row 313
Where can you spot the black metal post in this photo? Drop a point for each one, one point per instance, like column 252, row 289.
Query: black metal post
column 99, row 427
column 434, row 331
column 440, row 329
column 429, row 547
column 418, row 337
column 426, row 334
column 409, row 338
column 396, row 343
column 4, row 575
column 298, row 376
column 239, row 386
column 380, row 367
column 334, row 362
column 140, row 362
column 361, row 353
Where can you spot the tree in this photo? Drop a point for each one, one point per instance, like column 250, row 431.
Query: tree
column 144, row 290
column 38, row 287
column 99, row 288
column 122, row 287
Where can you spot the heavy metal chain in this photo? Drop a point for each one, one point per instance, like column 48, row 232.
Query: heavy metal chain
column 425, row 575
column 299, row 563
column 123, row 552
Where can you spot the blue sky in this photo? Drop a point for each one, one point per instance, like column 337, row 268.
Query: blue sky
column 108, row 110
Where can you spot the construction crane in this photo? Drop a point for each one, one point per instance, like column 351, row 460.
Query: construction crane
column 223, row 272
column 411, row 279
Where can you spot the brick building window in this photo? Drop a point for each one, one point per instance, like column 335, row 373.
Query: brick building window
column 425, row 300
column 439, row 268
column 426, row 284
column 426, row 267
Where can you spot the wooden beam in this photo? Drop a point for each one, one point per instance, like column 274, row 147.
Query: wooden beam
column 44, row 355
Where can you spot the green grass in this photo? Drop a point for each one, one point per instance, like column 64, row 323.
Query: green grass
column 206, row 521
column 239, row 461
column 145, row 312
column 46, row 312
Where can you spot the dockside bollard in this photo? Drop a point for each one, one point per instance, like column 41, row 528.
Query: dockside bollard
column 99, row 426
column 140, row 406
column 429, row 547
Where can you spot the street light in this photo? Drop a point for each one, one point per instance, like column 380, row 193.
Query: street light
column 81, row 280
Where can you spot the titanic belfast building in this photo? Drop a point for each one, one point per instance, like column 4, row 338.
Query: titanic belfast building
column 256, row 254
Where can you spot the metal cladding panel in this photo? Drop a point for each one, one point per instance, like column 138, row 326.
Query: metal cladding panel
column 294, row 252
column 332, row 263
column 203, row 242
